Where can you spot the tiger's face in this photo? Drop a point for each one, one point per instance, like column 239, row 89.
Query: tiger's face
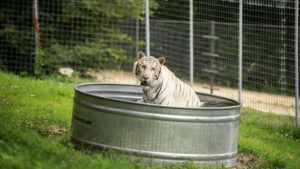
column 147, row 70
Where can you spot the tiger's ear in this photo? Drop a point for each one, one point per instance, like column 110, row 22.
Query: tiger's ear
column 140, row 55
column 161, row 60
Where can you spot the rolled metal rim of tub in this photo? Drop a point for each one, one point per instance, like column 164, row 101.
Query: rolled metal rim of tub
column 78, row 86
column 219, row 125
column 159, row 112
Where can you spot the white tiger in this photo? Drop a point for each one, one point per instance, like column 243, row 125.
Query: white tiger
column 160, row 85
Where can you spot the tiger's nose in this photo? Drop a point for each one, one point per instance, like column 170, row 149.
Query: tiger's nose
column 145, row 78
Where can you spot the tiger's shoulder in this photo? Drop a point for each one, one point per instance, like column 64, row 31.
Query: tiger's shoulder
column 181, row 93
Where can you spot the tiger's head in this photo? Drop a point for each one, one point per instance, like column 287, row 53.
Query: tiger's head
column 147, row 70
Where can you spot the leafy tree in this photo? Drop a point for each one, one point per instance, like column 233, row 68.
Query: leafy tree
column 80, row 33
column 16, row 35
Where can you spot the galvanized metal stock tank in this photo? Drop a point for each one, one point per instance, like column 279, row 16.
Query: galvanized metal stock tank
column 112, row 116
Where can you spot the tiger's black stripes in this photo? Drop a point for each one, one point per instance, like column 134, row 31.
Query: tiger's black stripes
column 163, row 99
column 144, row 100
column 158, row 88
column 137, row 71
column 188, row 100
column 157, row 94
column 164, row 89
column 180, row 87
column 145, row 92
column 159, row 73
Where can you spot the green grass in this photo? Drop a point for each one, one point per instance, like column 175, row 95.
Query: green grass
column 35, row 118
column 272, row 138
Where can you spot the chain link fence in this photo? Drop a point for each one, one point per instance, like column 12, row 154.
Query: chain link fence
column 39, row 37
column 269, row 57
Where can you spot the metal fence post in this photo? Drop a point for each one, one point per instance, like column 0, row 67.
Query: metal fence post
column 296, row 61
column 212, row 50
column 137, row 33
column 240, row 49
column 282, row 50
column 147, row 29
column 36, row 32
column 212, row 38
column 191, row 44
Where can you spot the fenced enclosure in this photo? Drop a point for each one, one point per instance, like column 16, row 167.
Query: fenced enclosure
column 39, row 37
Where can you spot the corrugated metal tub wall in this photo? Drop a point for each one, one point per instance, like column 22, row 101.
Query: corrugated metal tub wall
column 112, row 116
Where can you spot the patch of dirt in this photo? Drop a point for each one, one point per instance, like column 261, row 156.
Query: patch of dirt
column 54, row 129
column 14, row 87
column 45, row 130
column 5, row 101
column 257, row 100
column 246, row 161
column 264, row 102
column 111, row 76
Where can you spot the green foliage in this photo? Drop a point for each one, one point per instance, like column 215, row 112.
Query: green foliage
column 79, row 34
column 91, row 42
column 16, row 29
column 267, row 136
column 81, row 57
column 281, row 124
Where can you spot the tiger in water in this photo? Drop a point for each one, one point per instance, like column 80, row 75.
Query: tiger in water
column 160, row 85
